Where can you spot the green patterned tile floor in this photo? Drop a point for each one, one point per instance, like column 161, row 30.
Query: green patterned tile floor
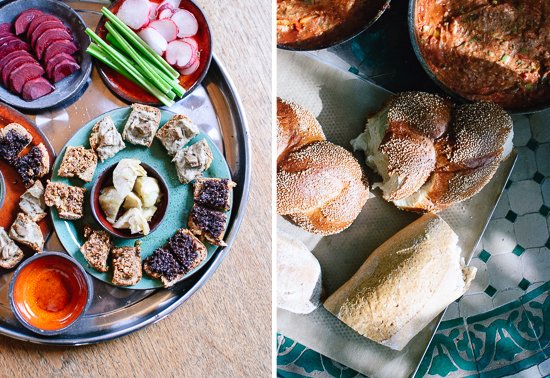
column 501, row 327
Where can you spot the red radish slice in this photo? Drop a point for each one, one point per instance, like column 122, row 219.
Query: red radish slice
column 165, row 13
column 187, row 23
column 174, row 3
column 179, row 53
column 167, row 28
column 192, row 42
column 153, row 11
column 191, row 62
column 135, row 13
column 164, row 6
column 154, row 39
column 190, row 70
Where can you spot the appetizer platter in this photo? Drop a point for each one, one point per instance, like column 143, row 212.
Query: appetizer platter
column 337, row 245
column 145, row 203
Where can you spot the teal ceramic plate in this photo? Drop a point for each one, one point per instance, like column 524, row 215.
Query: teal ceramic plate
column 70, row 233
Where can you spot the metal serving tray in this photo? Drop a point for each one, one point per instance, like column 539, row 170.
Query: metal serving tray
column 217, row 110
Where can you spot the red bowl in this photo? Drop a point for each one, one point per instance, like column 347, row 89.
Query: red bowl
column 106, row 180
column 130, row 91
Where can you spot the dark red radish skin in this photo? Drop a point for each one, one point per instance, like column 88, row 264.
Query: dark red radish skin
column 12, row 65
column 36, row 88
column 24, row 20
column 48, row 37
column 13, row 46
column 63, row 69
column 5, row 27
column 38, row 21
column 22, row 74
column 50, row 65
column 42, row 28
column 58, row 47
column 11, row 56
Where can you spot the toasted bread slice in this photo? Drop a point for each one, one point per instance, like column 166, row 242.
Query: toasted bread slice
column 27, row 232
column 127, row 265
column 176, row 133
column 78, row 161
column 10, row 253
column 209, row 225
column 105, row 139
column 192, row 161
column 213, row 193
column 96, row 249
column 68, row 200
column 34, row 165
column 14, row 138
column 142, row 125
column 163, row 265
column 32, row 202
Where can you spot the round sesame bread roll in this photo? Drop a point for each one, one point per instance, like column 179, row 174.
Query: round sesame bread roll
column 320, row 185
column 430, row 154
column 404, row 284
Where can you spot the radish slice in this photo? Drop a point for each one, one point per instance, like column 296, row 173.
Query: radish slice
column 154, row 39
column 186, row 22
column 190, row 70
column 174, row 3
column 192, row 42
column 135, row 13
column 165, row 13
column 153, row 11
column 179, row 53
column 194, row 58
column 167, row 28
column 166, row 5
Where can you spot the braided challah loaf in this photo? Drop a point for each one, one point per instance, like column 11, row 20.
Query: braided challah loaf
column 320, row 186
column 430, row 154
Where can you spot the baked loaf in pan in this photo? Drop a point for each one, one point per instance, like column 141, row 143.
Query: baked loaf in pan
column 431, row 154
column 320, row 186
column 404, row 284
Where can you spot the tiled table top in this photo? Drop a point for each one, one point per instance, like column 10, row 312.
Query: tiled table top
column 502, row 325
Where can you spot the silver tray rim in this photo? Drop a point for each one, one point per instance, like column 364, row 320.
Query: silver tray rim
column 213, row 264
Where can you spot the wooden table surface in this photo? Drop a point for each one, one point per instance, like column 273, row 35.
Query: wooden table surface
column 224, row 330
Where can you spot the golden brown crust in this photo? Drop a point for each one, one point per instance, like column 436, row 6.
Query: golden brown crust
column 296, row 127
column 127, row 265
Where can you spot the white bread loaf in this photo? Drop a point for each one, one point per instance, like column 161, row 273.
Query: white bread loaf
column 404, row 284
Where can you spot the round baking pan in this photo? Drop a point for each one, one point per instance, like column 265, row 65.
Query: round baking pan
column 358, row 20
column 457, row 97
column 69, row 89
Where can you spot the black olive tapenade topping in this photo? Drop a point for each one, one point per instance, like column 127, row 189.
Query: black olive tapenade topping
column 163, row 262
column 210, row 221
column 12, row 144
column 213, row 194
column 29, row 166
column 183, row 248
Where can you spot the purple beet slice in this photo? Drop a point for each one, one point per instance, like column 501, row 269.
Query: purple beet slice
column 13, row 64
column 48, row 37
column 38, row 21
column 58, row 47
column 36, row 88
column 63, row 69
column 13, row 55
column 25, row 18
column 50, row 64
column 43, row 27
column 13, row 46
column 22, row 74
column 5, row 27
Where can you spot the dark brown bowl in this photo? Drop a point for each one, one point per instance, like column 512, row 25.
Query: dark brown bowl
column 106, row 180
column 360, row 18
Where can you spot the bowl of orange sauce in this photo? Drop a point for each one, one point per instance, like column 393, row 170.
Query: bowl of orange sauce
column 50, row 292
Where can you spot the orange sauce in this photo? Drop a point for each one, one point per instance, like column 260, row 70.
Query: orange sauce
column 50, row 293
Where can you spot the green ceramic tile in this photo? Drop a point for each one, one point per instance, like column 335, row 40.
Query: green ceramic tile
column 518, row 250
column 490, row 291
column 524, row 284
column 538, row 177
column 511, row 216
column 484, row 256
column 532, row 144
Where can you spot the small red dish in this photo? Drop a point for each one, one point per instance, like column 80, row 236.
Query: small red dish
column 129, row 91
column 106, row 180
